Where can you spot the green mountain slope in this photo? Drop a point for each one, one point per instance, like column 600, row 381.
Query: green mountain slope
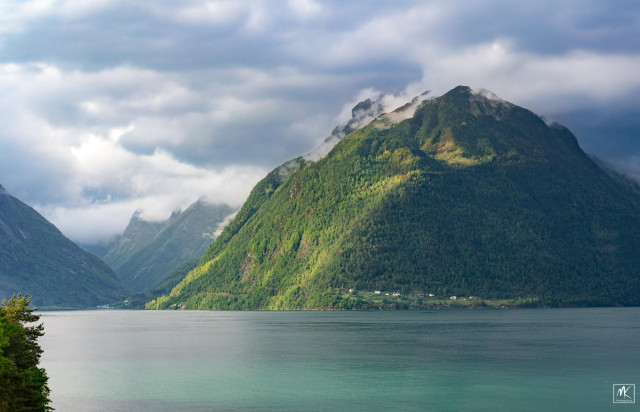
column 470, row 195
column 36, row 259
column 136, row 236
column 148, row 252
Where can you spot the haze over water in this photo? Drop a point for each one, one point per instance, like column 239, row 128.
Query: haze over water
column 530, row 360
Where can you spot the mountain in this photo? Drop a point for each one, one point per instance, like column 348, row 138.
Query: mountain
column 99, row 249
column 149, row 251
column 138, row 300
column 136, row 236
column 462, row 195
column 36, row 259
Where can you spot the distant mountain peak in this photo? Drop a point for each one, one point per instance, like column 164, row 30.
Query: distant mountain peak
column 175, row 213
column 3, row 191
column 148, row 251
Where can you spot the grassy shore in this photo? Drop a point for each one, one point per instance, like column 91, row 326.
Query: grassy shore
column 392, row 300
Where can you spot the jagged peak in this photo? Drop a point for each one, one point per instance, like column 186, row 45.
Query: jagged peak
column 486, row 94
column 175, row 213
column 466, row 93
column 3, row 191
column 137, row 220
column 401, row 113
column 361, row 115
column 479, row 102
column 457, row 92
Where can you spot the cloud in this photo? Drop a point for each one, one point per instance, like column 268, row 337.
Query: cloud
column 157, row 184
column 305, row 9
column 79, row 166
column 111, row 106
column 544, row 83
column 184, row 113
column 630, row 166
column 223, row 224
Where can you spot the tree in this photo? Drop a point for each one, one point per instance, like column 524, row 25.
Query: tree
column 23, row 385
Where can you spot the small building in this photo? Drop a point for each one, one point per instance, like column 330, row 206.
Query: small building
column 396, row 294
column 453, row 297
column 377, row 292
column 431, row 295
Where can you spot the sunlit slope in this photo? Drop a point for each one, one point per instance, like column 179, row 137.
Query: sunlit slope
column 469, row 196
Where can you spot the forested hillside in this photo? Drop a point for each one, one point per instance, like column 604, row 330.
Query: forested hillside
column 470, row 195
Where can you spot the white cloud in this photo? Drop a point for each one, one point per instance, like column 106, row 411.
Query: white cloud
column 82, row 161
column 111, row 106
column 396, row 35
column 19, row 14
column 246, row 16
column 544, row 83
column 305, row 9
column 213, row 12
column 158, row 186
column 223, row 224
column 82, row 8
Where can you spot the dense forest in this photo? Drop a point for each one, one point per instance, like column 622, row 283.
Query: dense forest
column 469, row 196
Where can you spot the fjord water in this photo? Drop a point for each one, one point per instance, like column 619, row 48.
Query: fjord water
column 484, row 360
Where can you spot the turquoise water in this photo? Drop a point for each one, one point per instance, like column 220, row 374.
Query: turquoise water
column 490, row 360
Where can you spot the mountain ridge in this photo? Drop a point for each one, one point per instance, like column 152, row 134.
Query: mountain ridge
column 37, row 259
column 469, row 195
column 149, row 251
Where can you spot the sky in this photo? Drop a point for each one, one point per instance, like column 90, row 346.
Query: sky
column 110, row 106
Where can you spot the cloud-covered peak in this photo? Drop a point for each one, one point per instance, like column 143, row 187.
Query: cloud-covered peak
column 486, row 94
column 361, row 115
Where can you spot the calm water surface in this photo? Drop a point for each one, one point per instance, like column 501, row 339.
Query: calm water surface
column 509, row 360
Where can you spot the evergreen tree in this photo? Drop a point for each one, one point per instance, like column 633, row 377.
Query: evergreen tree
column 23, row 385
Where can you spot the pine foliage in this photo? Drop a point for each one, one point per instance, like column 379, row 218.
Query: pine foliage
column 23, row 385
